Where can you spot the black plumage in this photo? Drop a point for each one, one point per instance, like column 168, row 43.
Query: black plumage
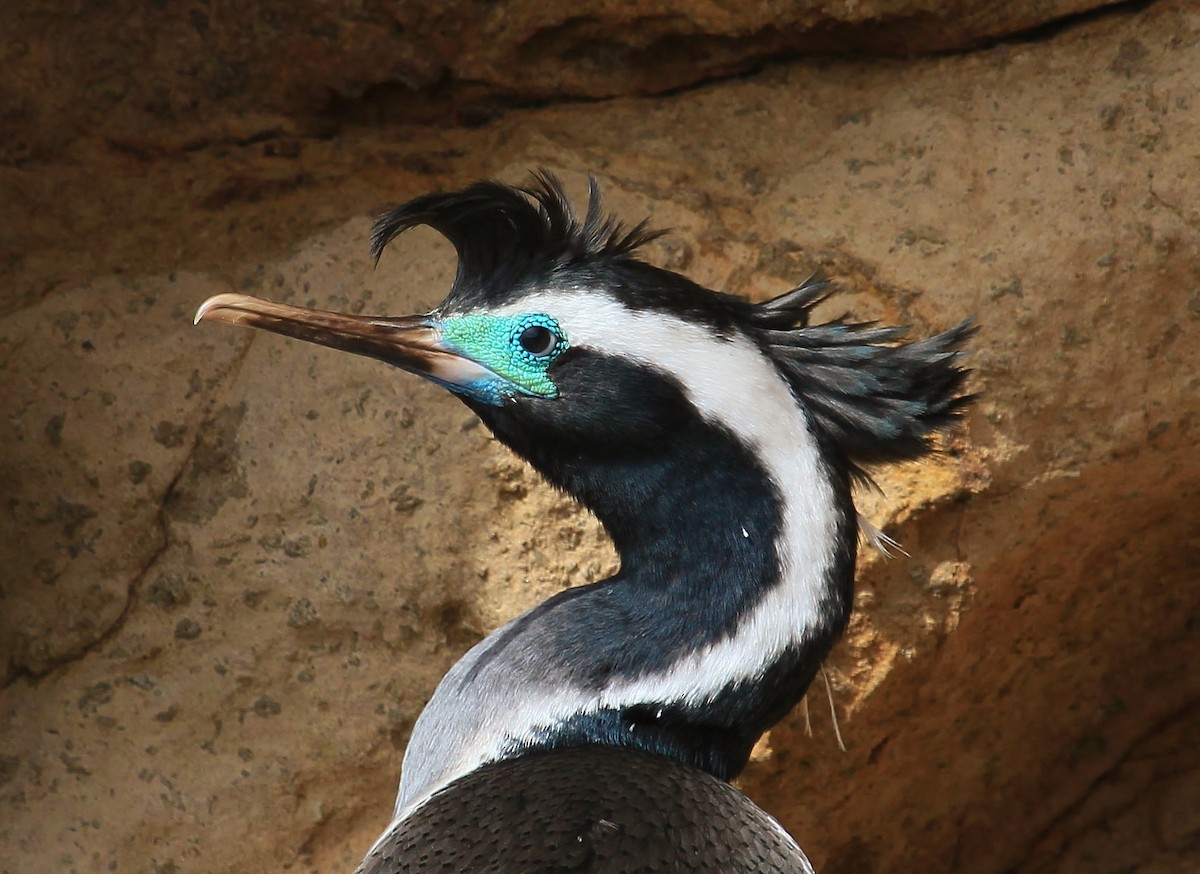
column 877, row 399
column 509, row 239
column 594, row 810
column 665, row 496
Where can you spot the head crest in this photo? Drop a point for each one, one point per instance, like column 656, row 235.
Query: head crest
column 878, row 398
column 507, row 236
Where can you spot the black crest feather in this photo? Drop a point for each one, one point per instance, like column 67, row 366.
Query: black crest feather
column 510, row 237
column 878, row 399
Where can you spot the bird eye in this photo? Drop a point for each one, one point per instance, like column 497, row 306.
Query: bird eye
column 538, row 340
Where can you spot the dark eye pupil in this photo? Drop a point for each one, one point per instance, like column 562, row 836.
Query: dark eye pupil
column 537, row 340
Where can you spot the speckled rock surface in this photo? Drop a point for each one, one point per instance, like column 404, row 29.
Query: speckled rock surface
column 235, row 566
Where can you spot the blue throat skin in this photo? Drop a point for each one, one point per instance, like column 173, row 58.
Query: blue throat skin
column 495, row 343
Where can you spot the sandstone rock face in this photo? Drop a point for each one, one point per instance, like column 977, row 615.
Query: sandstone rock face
column 154, row 77
column 235, row 566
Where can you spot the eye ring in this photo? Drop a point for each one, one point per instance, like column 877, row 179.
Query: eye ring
column 538, row 340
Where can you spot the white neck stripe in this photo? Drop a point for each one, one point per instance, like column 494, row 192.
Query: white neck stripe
column 735, row 386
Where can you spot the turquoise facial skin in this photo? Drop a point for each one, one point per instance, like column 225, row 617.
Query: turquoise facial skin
column 495, row 342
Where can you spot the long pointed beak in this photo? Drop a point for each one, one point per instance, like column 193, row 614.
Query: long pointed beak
column 413, row 343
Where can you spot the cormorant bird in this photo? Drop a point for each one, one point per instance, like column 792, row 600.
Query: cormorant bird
column 717, row 441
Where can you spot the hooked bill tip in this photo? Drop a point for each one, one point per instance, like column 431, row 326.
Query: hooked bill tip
column 216, row 302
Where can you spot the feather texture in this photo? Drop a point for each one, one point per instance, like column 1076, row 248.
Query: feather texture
column 509, row 238
column 877, row 398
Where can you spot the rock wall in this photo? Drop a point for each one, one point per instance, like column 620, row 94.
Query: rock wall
column 235, row 566
column 169, row 77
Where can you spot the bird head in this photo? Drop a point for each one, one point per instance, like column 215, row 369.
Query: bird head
column 569, row 346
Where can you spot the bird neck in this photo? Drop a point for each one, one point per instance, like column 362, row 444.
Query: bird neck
column 737, row 565
column 736, row 533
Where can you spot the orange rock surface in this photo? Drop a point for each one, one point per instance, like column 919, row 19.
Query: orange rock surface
column 235, row 566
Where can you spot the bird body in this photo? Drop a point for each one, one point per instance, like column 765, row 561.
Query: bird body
column 598, row 809
column 716, row 440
